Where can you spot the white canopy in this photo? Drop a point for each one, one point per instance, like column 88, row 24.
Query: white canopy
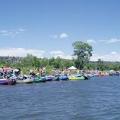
column 15, row 70
column 72, row 68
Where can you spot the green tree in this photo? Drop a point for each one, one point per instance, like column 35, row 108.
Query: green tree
column 100, row 65
column 36, row 62
column 52, row 61
column 44, row 62
column 83, row 52
column 57, row 63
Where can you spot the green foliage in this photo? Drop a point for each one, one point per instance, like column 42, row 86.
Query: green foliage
column 83, row 52
column 44, row 62
column 32, row 62
column 60, row 63
column 100, row 65
column 49, row 69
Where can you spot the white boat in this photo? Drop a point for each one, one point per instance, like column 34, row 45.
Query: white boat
column 28, row 80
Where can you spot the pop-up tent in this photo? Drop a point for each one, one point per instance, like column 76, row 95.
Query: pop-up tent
column 72, row 68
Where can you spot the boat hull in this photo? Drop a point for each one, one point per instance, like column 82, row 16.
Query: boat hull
column 76, row 78
column 38, row 80
column 63, row 78
column 27, row 81
column 7, row 82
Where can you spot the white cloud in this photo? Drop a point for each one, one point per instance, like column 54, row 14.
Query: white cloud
column 113, row 40
column 11, row 33
column 21, row 30
column 113, row 56
column 106, row 41
column 114, row 53
column 56, row 52
column 60, row 36
column 60, row 54
column 21, row 52
column 3, row 31
column 63, row 35
column 91, row 41
column 110, row 41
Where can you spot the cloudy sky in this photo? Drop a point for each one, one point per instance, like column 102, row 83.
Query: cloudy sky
column 48, row 28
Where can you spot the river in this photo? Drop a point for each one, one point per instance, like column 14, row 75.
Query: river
column 94, row 99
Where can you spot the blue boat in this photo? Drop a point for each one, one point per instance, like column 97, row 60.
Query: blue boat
column 63, row 77
column 49, row 78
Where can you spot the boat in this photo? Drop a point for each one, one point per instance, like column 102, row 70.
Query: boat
column 63, row 77
column 56, row 78
column 28, row 80
column 39, row 79
column 7, row 81
column 77, row 77
column 49, row 78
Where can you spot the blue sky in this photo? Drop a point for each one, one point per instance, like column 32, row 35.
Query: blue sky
column 49, row 27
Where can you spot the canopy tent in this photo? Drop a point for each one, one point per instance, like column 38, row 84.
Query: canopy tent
column 16, row 70
column 72, row 68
